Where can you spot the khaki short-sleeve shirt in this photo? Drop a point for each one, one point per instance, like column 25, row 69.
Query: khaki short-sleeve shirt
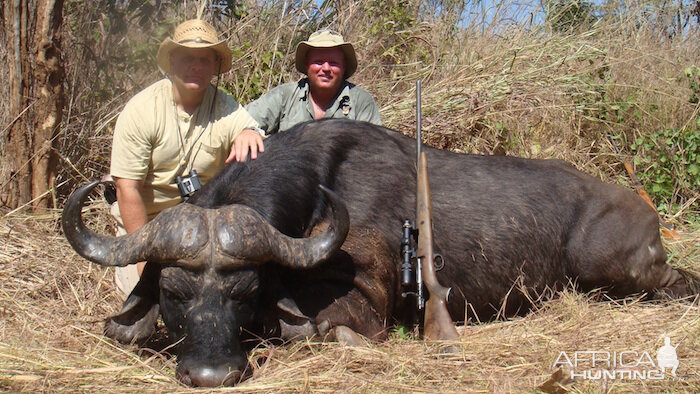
column 286, row 105
column 155, row 142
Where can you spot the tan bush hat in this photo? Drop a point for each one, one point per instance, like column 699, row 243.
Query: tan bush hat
column 194, row 33
column 326, row 39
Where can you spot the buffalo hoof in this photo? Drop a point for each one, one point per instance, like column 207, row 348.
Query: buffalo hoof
column 134, row 324
column 290, row 332
column 346, row 336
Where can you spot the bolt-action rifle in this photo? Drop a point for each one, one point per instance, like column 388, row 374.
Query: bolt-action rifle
column 437, row 323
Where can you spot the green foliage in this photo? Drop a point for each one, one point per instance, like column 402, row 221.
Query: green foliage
column 257, row 80
column 392, row 21
column 233, row 9
column 666, row 159
column 391, row 15
column 667, row 163
column 624, row 111
column 568, row 15
column 404, row 332
column 692, row 74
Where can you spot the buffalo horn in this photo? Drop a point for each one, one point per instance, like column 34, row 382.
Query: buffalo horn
column 307, row 252
column 258, row 241
column 172, row 244
column 97, row 248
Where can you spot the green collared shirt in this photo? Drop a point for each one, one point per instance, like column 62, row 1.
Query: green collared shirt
column 289, row 104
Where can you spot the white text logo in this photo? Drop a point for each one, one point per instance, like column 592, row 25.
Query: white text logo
column 620, row 365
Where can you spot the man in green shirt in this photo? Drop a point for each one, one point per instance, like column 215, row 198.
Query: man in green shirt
column 328, row 61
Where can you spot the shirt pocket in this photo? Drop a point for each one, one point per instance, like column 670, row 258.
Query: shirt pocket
column 209, row 160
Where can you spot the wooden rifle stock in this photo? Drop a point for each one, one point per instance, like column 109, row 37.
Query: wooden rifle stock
column 438, row 324
column 667, row 230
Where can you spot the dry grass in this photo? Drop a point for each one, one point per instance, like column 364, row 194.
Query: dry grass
column 506, row 88
column 52, row 305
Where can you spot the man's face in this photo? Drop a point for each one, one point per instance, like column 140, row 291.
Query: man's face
column 325, row 68
column 193, row 68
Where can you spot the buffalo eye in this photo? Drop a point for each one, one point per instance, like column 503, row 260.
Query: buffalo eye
column 242, row 286
column 244, row 295
column 176, row 286
column 174, row 294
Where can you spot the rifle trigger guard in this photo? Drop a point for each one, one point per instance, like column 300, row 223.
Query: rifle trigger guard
column 438, row 262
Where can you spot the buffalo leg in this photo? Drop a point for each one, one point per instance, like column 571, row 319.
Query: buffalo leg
column 355, row 313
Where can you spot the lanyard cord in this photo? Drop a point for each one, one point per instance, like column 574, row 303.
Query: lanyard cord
column 186, row 155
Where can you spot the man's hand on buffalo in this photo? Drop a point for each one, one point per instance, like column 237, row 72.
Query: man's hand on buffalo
column 248, row 141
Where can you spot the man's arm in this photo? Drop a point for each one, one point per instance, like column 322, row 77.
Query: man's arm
column 267, row 109
column 131, row 207
column 367, row 109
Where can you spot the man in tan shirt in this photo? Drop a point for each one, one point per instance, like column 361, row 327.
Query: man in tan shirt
column 178, row 126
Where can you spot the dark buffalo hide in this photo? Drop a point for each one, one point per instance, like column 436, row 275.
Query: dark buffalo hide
column 508, row 229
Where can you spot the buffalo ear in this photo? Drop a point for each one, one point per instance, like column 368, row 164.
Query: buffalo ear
column 136, row 321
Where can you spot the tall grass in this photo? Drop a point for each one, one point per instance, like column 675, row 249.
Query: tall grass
column 496, row 79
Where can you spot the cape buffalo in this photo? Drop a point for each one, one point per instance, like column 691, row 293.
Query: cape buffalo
column 260, row 250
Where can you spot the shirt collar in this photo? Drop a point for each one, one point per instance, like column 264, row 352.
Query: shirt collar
column 304, row 91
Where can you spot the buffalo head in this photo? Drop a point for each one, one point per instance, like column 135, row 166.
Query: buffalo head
column 203, row 276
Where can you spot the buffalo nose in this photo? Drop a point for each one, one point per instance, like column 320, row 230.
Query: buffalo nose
column 210, row 376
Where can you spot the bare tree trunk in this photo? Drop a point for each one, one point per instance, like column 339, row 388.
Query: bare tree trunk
column 36, row 76
column 15, row 154
column 49, row 76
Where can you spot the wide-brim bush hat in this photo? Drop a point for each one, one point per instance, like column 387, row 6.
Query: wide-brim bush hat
column 194, row 33
column 326, row 39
